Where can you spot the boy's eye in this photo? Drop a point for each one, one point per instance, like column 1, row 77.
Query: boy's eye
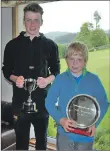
column 79, row 59
column 71, row 58
column 36, row 20
column 30, row 20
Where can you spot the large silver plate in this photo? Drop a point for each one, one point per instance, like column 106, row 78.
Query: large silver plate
column 84, row 110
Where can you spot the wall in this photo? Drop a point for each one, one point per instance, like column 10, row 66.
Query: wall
column 20, row 18
column 6, row 35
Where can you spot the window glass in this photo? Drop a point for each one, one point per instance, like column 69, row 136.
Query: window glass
column 86, row 21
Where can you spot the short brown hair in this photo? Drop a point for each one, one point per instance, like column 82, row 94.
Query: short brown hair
column 33, row 7
column 77, row 48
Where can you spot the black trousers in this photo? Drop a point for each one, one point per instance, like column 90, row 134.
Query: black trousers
column 22, row 130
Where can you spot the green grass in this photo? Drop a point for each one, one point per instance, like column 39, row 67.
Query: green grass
column 98, row 63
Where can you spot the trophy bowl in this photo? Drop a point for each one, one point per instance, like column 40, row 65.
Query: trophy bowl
column 85, row 111
column 30, row 84
column 29, row 106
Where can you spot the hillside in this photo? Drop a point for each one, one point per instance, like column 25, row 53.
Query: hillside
column 65, row 37
column 54, row 35
column 61, row 37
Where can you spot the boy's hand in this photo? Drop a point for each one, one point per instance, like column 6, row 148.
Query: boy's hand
column 42, row 82
column 92, row 130
column 20, row 81
column 67, row 124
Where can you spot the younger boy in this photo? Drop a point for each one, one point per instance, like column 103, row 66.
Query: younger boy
column 76, row 80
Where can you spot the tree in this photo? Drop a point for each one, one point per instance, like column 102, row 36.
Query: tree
column 84, row 34
column 84, row 30
column 90, row 26
column 97, row 18
column 61, row 48
column 99, row 37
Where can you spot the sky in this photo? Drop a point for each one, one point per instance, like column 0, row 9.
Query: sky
column 68, row 16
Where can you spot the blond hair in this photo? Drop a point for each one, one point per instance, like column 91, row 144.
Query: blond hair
column 77, row 48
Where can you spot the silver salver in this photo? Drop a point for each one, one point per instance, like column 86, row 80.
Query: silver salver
column 84, row 110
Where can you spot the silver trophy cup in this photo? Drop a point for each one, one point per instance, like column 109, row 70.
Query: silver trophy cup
column 29, row 106
column 85, row 111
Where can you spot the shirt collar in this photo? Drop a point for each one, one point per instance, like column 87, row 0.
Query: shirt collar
column 83, row 73
column 26, row 35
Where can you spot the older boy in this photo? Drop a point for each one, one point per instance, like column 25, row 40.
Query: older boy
column 31, row 55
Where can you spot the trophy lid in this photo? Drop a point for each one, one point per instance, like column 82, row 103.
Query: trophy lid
column 84, row 110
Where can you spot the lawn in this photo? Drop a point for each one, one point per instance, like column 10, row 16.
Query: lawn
column 99, row 64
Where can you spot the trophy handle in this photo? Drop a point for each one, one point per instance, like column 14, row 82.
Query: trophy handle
column 25, row 84
column 36, row 86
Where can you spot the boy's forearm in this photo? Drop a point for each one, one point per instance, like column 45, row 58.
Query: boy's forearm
column 50, row 78
column 103, row 112
column 13, row 78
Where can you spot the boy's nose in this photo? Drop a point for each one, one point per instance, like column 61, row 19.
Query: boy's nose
column 75, row 62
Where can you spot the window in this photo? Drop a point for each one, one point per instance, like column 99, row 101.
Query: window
column 86, row 21
column 67, row 21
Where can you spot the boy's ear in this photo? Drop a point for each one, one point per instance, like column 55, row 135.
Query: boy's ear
column 41, row 22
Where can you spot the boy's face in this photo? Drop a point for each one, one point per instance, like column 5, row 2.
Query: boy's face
column 32, row 22
column 75, row 63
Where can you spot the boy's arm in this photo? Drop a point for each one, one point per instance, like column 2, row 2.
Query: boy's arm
column 54, row 60
column 52, row 98
column 8, row 62
column 102, row 100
